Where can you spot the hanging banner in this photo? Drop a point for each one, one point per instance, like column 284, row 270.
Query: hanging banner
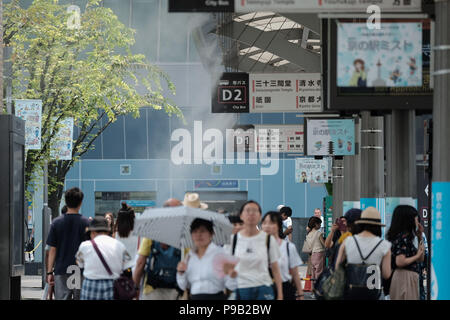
column 290, row 138
column 311, row 170
column 440, row 224
column 330, row 137
column 62, row 142
column 285, row 92
column 31, row 112
column 231, row 93
column 386, row 57
column 327, row 5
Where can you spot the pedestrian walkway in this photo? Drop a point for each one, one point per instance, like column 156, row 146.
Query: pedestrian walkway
column 32, row 288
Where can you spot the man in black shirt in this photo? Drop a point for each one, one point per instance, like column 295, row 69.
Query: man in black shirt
column 65, row 236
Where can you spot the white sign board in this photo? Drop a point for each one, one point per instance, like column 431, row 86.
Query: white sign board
column 326, row 5
column 285, row 92
column 31, row 112
column 311, row 170
column 62, row 143
column 290, row 138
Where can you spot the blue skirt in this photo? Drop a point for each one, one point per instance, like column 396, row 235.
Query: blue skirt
column 97, row 290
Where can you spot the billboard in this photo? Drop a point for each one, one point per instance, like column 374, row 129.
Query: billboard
column 311, row 170
column 330, row 137
column 389, row 57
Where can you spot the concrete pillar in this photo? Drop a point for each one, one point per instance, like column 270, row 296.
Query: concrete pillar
column 338, row 187
column 440, row 217
column 352, row 170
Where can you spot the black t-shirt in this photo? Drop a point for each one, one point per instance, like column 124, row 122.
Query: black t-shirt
column 66, row 234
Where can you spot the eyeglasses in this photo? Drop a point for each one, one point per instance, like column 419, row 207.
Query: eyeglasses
column 251, row 210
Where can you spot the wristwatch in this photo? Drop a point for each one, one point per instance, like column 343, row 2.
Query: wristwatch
column 49, row 273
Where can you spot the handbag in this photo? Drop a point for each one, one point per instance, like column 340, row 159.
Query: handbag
column 124, row 287
column 333, row 287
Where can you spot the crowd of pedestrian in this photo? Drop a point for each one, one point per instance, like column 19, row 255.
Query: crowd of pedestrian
column 261, row 261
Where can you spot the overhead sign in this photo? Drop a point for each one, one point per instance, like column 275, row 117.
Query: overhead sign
column 231, row 94
column 31, row 112
column 62, row 144
column 311, row 170
column 292, row 5
column 285, row 92
column 330, row 137
column 289, row 137
column 386, row 57
column 201, row 5
column 220, row 184
column 140, row 203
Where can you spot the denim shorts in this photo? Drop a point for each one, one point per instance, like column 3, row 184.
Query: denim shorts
column 255, row 293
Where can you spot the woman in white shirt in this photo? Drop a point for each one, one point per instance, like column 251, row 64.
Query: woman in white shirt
column 123, row 228
column 197, row 271
column 257, row 251
column 289, row 260
column 98, row 282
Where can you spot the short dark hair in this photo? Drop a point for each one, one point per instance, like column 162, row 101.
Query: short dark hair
column 197, row 223
column 374, row 229
column 248, row 202
column 286, row 210
column 313, row 222
column 73, row 197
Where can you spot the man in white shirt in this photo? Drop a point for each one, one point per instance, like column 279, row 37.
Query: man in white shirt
column 98, row 281
column 286, row 213
column 318, row 214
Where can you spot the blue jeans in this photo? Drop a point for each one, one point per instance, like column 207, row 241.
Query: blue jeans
column 255, row 293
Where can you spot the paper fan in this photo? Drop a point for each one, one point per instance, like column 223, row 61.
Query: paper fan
column 219, row 262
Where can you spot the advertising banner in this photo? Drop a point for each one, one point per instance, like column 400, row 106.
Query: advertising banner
column 330, row 137
column 326, row 5
column 231, row 93
column 285, row 92
column 386, row 57
column 440, row 226
column 31, row 112
column 311, row 170
column 62, row 142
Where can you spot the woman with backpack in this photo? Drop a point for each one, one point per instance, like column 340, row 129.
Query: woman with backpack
column 257, row 251
column 317, row 243
column 197, row 270
column 406, row 257
column 289, row 260
column 365, row 250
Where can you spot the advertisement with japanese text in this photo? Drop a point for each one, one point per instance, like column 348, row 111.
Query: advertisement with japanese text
column 330, row 137
column 31, row 112
column 311, row 170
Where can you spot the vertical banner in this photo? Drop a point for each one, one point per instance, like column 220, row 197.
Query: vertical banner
column 62, row 143
column 328, row 210
column 31, row 112
column 440, row 235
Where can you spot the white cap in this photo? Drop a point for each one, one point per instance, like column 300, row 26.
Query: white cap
column 280, row 206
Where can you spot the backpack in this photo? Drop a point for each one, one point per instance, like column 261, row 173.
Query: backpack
column 162, row 266
column 358, row 276
column 268, row 250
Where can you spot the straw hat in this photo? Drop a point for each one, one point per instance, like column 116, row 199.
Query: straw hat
column 370, row 216
column 192, row 200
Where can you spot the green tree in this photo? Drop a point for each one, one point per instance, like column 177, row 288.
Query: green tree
column 85, row 71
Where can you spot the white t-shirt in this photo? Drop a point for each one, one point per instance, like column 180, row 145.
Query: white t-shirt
column 287, row 223
column 253, row 265
column 131, row 244
column 366, row 244
column 114, row 253
column 286, row 263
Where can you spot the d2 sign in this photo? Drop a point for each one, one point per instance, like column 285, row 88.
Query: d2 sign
column 231, row 93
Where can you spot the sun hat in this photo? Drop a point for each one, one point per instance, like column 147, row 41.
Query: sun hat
column 98, row 224
column 370, row 216
column 192, row 200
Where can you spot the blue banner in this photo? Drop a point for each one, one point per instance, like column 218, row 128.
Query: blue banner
column 440, row 239
column 220, row 184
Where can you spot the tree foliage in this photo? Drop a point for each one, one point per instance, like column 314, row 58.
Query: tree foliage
column 88, row 73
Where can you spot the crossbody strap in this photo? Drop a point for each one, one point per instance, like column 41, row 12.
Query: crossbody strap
column 101, row 257
column 234, row 243
column 360, row 253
